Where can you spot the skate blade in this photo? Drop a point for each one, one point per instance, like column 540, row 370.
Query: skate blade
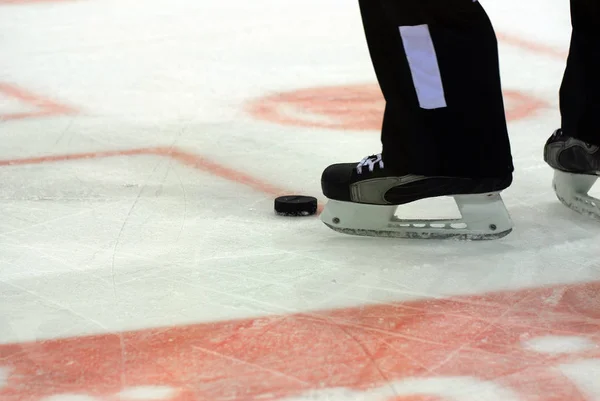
column 572, row 190
column 484, row 217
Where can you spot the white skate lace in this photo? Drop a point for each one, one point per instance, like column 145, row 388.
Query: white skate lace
column 370, row 161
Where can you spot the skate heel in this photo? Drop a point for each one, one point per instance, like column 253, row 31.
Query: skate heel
column 484, row 217
column 572, row 190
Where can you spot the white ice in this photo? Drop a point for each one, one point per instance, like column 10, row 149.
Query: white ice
column 105, row 245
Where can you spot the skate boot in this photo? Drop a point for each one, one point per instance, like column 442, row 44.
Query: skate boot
column 364, row 197
column 576, row 167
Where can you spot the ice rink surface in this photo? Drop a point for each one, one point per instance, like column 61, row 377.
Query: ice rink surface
column 141, row 146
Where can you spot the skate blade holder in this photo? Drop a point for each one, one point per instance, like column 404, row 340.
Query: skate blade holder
column 572, row 190
column 483, row 217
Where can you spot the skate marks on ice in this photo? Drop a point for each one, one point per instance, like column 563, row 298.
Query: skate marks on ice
column 185, row 158
column 541, row 344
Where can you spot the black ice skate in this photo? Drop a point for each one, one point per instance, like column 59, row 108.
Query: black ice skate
column 576, row 167
column 364, row 197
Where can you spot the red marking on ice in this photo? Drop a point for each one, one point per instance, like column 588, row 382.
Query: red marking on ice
column 187, row 158
column 539, row 49
column 195, row 161
column 9, row 2
column 366, row 349
column 41, row 105
column 355, row 107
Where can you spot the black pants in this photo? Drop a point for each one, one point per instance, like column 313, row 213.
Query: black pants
column 580, row 89
column 437, row 65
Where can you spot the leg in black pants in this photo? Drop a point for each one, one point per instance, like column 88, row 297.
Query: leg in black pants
column 573, row 151
column 580, row 89
column 444, row 130
column 437, row 65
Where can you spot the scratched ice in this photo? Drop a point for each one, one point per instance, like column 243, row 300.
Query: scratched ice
column 142, row 146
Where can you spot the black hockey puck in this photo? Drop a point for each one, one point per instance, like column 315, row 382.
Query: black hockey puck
column 295, row 205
